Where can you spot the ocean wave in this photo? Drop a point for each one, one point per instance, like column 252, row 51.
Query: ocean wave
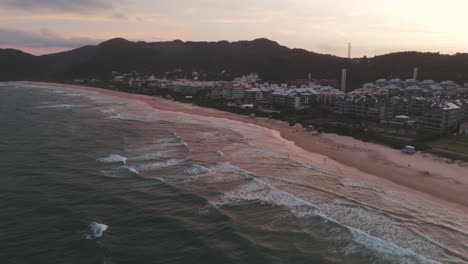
column 387, row 251
column 173, row 144
column 197, row 170
column 267, row 153
column 382, row 225
column 128, row 171
column 64, row 106
column 147, row 156
column 257, row 190
column 169, row 140
column 95, row 230
column 57, row 92
column 73, row 95
column 162, row 147
column 106, row 110
column 117, row 116
column 121, row 172
column 227, row 168
column 160, row 164
column 159, row 179
column 351, row 182
column 113, row 158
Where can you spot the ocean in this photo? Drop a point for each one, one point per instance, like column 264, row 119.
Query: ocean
column 91, row 178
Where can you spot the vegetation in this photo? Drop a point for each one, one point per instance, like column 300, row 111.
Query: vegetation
column 456, row 144
column 222, row 60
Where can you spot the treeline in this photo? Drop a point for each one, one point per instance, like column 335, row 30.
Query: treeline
column 224, row 60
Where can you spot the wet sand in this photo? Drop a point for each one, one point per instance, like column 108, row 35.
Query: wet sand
column 446, row 185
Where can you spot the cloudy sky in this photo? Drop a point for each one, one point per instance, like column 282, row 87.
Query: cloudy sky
column 325, row 26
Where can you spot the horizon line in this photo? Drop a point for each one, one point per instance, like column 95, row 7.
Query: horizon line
column 62, row 50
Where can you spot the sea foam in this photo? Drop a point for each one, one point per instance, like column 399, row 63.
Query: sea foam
column 258, row 190
column 95, row 230
column 197, row 170
column 160, row 165
column 387, row 251
column 112, row 158
column 128, row 171
column 59, row 106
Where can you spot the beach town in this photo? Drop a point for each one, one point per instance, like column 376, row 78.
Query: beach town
column 438, row 179
column 429, row 115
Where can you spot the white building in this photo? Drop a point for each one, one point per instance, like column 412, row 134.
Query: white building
column 464, row 128
column 443, row 115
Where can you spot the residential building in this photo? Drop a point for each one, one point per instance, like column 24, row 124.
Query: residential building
column 442, row 115
column 464, row 128
column 287, row 98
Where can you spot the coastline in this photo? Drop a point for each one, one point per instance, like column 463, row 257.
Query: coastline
column 446, row 184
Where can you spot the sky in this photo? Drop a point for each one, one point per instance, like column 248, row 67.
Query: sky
column 373, row 27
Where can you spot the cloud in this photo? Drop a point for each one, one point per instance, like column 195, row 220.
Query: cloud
column 44, row 39
column 119, row 16
column 59, row 5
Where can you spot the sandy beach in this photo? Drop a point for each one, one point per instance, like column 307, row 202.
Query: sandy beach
column 446, row 184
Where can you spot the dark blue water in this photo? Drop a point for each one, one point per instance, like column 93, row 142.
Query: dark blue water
column 52, row 188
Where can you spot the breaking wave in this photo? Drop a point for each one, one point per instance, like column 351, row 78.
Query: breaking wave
column 257, row 190
column 95, row 230
column 197, row 170
column 59, row 106
column 121, row 172
column 113, row 158
column 260, row 191
column 387, row 251
column 160, row 165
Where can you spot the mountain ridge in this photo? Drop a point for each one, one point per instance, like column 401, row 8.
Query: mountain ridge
column 270, row 59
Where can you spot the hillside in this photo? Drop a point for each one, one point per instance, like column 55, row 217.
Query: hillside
column 271, row 60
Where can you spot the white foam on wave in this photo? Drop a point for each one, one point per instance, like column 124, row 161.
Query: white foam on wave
column 173, row 144
column 197, row 170
column 160, row 165
column 113, row 114
column 73, row 95
column 227, row 168
column 351, row 182
column 113, row 158
column 147, row 156
column 57, row 92
column 388, row 251
column 4, row 84
column 95, row 230
column 128, row 171
column 117, row 116
column 382, row 225
column 169, row 140
column 257, row 190
column 106, row 110
column 59, row 106
column 267, row 153
column 161, row 148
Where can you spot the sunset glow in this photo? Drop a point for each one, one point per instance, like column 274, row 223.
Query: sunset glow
column 373, row 27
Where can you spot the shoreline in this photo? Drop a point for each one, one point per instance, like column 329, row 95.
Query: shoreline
column 446, row 182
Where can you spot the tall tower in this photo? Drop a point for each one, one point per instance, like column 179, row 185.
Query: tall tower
column 343, row 80
column 349, row 50
column 415, row 73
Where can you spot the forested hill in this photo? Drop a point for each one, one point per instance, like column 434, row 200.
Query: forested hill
column 271, row 60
